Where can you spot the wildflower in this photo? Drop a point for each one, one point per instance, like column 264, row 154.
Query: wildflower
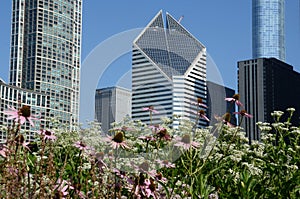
column 21, row 141
column 202, row 115
column 186, row 142
column 150, row 109
column 99, row 160
column 61, row 188
column 225, row 119
column 117, row 141
column 144, row 167
column 3, row 151
column 159, row 177
column 165, row 163
column 23, row 114
column 80, row 145
column 243, row 113
column 200, row 102
column 235, row 98
column 147, row 138
column 48, row 135
column 150, row 187
column 163, row 134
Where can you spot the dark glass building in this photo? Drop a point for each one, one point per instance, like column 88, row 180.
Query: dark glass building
column 266, row 85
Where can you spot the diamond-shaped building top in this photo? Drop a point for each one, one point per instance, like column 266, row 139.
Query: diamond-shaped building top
column 172, row 48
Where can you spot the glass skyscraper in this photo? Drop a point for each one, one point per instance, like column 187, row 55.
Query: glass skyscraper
column 268, row 38
column 45, row 52
column 168, row 72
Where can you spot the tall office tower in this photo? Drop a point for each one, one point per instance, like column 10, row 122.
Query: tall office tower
column 45, row 52
column 268, row 38
column 112, row 104
column 168, row 72
column 266, row 85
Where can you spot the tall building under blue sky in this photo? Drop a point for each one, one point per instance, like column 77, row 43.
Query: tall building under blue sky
column 45, row 52
column 168, row 72
column 268, row 32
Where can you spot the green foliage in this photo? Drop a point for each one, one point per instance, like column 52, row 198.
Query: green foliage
column 154, row 162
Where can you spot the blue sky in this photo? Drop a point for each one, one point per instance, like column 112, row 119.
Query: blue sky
column 224, row 27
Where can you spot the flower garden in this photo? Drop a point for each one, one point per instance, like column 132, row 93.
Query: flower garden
column 135, row 160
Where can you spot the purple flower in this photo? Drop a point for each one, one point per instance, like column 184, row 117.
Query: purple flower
column 21, row 141
column 165, row 163
column 24, row 114
column 3, row 151
column 117, row 141
column 235, row 98
column 48, row 135
column 186, row 142
column 150, row 188
column 147, row 138
column 200, row 102
column 144, row 168
column 150, row 109
column 225, row 119
column 243, row 113
column 61, row 188
column 80, row 145
column 202, row 115
column 163, row 134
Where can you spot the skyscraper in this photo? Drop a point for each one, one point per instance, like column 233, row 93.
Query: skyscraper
column 45, row 52
column 266, row 85
column 268, row 34
column 112, row 104
column 168, row 72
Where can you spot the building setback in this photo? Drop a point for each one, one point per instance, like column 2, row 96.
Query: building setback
column 112, row 104
column 268, row 34
column 45, row 52
column 266, row 85
column 168, row 72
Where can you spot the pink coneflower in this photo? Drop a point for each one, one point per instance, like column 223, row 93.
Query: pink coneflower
column 186, row 142
column 159, row 177
column 3, row 151
column 144, row 167
column 150, row 188
column 21, row 141
column 202, row 115
column 200, row 102
column 235, row 98
column 61, row 188
column 150, row 109
column 24, row 114
column 80, row 145
column 117, row 141
column 147, row 138
column 48, row 135
column 243, row 113
column 163, row 134
column 165, row 163
column 225, row 119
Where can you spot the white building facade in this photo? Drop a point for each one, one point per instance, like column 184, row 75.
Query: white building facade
column 168, row 72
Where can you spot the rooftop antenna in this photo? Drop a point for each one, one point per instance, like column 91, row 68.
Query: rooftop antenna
column 180, row 19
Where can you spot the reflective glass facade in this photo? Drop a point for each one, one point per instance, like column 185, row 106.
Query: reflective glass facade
column 168, row 72
column 45, row 52
column 268, row 38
